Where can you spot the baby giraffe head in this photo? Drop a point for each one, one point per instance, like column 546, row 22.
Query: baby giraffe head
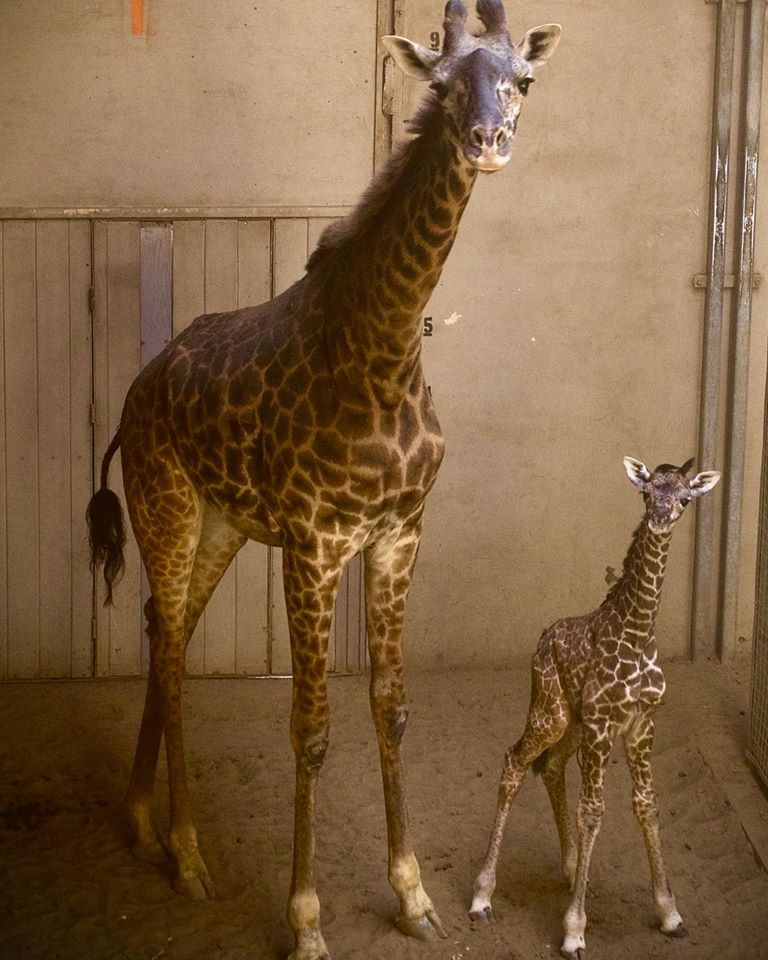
column 478, row 81
column 667, row 491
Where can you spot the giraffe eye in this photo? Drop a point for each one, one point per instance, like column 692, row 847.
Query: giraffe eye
column 524, row 84
column 685, row 501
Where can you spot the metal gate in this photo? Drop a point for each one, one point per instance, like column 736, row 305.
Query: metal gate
column 86, row 305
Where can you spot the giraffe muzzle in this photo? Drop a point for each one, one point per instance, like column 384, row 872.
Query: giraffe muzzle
column 489, row 148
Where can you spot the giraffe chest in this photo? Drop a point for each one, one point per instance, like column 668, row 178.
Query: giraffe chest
column 621, row 679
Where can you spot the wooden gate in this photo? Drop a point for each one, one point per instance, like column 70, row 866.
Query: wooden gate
column 64, row 387
column 45, row 449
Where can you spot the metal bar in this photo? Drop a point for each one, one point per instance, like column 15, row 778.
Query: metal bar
column 742, row 317
column 704, row 580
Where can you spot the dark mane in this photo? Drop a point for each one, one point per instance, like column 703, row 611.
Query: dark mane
column 351, row 228
column 616, row 587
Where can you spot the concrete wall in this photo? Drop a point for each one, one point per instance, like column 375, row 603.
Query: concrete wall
column 580, row 334
column 215, row 104
column 579, row 338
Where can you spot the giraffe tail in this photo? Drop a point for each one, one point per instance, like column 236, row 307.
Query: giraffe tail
column 540, row 762
column 106, row 529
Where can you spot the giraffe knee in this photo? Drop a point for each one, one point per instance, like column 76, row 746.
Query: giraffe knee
column 309, row 738
column 393, row 723
column 644, row 806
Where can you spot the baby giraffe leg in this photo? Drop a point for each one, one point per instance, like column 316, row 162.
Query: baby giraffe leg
column 595, row 749
column 638, row 743
column 553, row 775
column 541, row 730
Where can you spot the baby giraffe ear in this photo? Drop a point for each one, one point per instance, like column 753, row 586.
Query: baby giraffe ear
column 538, row 45
column 703, row 482
column 637, row 471
column 413, row 59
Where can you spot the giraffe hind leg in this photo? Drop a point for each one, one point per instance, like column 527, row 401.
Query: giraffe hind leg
column 542, row 730
column 217, row 545
column 551, row 765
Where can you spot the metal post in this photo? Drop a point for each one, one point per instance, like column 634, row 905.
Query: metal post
column 704, row 574
column 737, row 408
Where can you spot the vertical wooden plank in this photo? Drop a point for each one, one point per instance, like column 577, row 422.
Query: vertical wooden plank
column 81, row 451
column 23, row 507
column 156, row 246
column 101, row 435
column 254, row 282
column 221, row 294
column 290, row 253
column 117, row 310
column 53, row 388
column 188, row 272
column 3, row 478
column 188, row 303
column 289, row 258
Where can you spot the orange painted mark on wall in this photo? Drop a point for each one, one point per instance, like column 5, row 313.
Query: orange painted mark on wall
column 137, row 17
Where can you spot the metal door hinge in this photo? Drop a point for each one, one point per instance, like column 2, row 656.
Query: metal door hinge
column 699, row 281
column 388, row 88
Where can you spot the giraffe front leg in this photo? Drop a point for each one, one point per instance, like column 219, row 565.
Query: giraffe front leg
column 388, row 568
column 596, row 747
column 638, row 743
column 309, row 595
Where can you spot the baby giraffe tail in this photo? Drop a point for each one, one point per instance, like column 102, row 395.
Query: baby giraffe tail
column 106, row 530
column 540, row 762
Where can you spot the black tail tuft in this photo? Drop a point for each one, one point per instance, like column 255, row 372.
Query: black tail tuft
column 540, row 762
column 106, row 535
column 106, row 530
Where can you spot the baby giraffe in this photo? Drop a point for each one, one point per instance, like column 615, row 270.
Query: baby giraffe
column 592, row 678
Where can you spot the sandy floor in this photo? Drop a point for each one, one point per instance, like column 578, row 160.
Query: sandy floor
column 72, row 890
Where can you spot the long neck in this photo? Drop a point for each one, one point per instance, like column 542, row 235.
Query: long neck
column 380, row 266
column 637, row 593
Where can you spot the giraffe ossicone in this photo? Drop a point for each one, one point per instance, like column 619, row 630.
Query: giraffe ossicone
column 306, row 423
column 594, row 678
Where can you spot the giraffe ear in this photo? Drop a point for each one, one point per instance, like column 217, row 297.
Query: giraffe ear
column 637, row 472
column 703, row 482
column 413, row 59
column 538, row 45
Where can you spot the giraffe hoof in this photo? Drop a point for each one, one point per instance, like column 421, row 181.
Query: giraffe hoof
column 677, row 933
column 152, row 852
column 429, row 927
column 482, row 917
column 197, row 886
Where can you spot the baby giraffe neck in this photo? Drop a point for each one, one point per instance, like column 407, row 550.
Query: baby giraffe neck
column 638, row 593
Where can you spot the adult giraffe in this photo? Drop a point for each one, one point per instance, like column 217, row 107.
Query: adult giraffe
column 306, row 423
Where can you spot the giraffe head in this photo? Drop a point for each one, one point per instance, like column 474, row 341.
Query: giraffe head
column 667, row 491
column 478, row 82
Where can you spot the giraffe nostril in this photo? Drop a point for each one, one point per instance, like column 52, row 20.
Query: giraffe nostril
column 477, row 136
column 501, row 137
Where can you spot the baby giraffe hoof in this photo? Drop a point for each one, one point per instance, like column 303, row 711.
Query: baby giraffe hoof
column 482, row 916
column 427, row 927
column 573, row 948
column 676, row 933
